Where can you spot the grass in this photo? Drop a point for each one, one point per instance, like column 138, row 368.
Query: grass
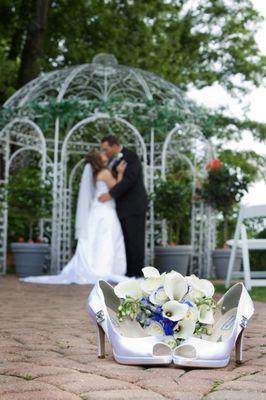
column 256, row 293
column 28, row 377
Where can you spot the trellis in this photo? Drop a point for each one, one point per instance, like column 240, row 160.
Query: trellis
column 98, row 98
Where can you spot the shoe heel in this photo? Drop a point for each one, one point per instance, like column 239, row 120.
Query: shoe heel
column 239, row 347
column 100, row 334
column 100, row 341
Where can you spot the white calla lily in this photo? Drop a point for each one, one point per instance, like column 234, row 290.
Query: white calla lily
column 170, row 341
column 206, row 287
column 158, row 296
column 195, row 295
column 184, row 328
column 205, row 315
column 192, row 312
column 199, row 287
column 152, row 280
column 150, row 272
column 174, row 310
column 175, row 287
column 154, row 329
column 131, row 288
column 148, row 285
column 174, row 273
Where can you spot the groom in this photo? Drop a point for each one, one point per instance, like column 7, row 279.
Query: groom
column 131, row 201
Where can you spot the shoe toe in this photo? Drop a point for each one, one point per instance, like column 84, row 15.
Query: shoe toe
column 162, row 349
column 185, row 351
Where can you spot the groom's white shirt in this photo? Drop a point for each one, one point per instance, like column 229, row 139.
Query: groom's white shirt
column 113, row 160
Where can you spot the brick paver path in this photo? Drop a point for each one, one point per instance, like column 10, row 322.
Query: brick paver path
column 48, row 352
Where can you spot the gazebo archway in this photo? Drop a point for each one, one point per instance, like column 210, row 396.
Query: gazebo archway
column 135, row 141
column 180, row 143
column 21, row 135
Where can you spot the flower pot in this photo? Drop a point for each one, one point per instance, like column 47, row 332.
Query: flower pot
column 176, row 258
column 10, row 263
column 220, row 259
column 29, row 258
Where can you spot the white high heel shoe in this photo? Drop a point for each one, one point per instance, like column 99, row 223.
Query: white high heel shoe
column 233, row 312
column 130, row 344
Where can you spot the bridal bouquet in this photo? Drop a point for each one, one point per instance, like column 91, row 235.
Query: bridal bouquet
column 168, row 304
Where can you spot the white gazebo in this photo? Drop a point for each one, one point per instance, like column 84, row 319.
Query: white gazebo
column 64, row 113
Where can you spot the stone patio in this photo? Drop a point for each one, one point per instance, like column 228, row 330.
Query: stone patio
column 48, row 352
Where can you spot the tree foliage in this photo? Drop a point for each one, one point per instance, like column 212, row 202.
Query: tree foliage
column 173, row 201
column 29, row 200
column 186, row 42
column 224, row 187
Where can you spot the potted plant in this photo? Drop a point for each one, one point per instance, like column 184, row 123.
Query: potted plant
column 223, row 188
column 172, row 203
column 29, row 200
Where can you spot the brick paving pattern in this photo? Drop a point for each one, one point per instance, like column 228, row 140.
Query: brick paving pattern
column 48, row 352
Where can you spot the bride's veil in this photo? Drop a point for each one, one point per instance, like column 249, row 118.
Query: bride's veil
column 85, row 198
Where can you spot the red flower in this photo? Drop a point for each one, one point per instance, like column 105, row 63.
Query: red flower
column 21, row 239
column 214, row 165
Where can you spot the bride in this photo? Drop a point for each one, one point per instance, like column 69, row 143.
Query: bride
column 100, row 251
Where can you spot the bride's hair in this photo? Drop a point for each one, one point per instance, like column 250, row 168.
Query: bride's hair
column 95, row 160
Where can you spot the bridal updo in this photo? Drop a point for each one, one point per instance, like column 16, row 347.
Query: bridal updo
column 94, row 158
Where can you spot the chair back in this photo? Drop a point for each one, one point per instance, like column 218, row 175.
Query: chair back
column 241, row 239
column 253, row 211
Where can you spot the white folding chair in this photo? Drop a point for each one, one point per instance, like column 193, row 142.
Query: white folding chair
column 241, row 241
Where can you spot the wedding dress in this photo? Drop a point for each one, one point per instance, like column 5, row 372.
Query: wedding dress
column 100, row 252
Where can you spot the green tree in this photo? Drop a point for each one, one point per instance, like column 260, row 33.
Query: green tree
column 224, row 187
column 201, row 43
column 29, row 200
column 172, row 201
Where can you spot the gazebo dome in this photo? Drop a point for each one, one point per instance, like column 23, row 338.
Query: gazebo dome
column 102, row 79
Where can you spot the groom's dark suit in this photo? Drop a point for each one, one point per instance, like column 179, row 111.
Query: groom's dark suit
column 131, row 205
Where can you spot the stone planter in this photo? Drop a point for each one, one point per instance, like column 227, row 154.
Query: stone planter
column 220, row 259
column 29, row 258
column 176, row 258
column 10, row 263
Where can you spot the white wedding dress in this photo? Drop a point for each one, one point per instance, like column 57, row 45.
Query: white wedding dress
column 100, row 252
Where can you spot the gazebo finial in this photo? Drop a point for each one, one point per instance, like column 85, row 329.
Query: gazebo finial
column 105, row 59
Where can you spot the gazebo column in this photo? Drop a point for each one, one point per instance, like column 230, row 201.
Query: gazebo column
column 4, row 204
column 150, row 189
column 55, row 240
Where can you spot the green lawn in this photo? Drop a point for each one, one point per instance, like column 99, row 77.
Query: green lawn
column 257, row 293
